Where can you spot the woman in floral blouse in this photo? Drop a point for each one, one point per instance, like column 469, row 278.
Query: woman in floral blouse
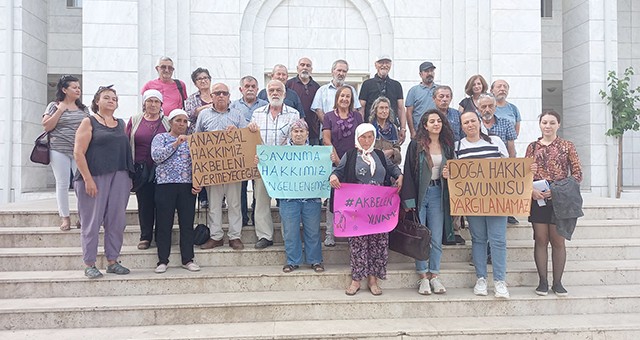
column 556, row 159
column 174, row 191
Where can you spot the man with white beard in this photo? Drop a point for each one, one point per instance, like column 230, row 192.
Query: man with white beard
column 274, row 122
column 306, row 88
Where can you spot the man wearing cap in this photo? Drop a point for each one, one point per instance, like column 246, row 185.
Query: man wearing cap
column 274, row 122
column 325, row 98
column 291, row 98
column 246, row 105
column 306, row 88
column 420, row 97
column 382, row 85
column 220, row 118
column 173, row 90
column 504, row 109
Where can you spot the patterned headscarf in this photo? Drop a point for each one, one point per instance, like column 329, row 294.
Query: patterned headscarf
column 366, row 154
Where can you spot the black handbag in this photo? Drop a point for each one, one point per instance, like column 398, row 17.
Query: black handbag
column 40, row 152
column 142, row 175
column 411, row 238
column 201, row 234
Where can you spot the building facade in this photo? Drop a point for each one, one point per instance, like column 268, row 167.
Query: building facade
column 554, row 53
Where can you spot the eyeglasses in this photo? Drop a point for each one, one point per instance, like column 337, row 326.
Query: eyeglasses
column 166, row 67
column 66, row 77
column 220, row 93
column 203, row 79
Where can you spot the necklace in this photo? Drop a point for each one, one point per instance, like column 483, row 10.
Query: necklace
column 105, row 121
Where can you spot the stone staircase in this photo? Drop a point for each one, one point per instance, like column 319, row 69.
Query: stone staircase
column 245, row 294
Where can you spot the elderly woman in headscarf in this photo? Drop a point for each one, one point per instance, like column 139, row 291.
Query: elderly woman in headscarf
column 305, row 210
column 141, row 129
column 366, row 165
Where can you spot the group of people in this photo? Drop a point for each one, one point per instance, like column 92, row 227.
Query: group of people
column 364, row 131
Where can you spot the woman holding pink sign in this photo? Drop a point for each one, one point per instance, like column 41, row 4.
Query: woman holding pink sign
column 366, row 165
column 427, row 194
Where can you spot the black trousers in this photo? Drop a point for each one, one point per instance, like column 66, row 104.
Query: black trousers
column 146, row 211
column 169, row 198
column 244, row 208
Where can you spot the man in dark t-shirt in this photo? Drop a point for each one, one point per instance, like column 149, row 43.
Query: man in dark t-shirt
column 382, row 85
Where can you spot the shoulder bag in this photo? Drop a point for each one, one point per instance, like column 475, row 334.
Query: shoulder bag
column 411, row 238
column 40, row 152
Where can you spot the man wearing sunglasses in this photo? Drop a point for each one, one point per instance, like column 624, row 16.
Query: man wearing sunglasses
column 221, row 117
column 173, row 90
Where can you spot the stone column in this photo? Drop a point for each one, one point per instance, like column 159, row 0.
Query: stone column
column 590, row 49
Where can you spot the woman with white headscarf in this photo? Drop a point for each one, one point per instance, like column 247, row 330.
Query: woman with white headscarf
column 366, row 165
column 141, row 129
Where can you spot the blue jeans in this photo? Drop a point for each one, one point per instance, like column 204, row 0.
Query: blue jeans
column 432, row 215
column 292, row 211
column 494, row 230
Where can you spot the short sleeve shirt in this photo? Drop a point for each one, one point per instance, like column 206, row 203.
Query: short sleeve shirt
column 376, row 87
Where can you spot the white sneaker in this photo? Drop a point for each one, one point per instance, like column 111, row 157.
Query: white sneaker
column 191, row 266
column 438, row 287
column 501, row 290
column 480, row 287
column 425, row 288
column 161, row 268
column 329, row 241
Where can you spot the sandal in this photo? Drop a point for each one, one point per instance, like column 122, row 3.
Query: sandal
column 352, row 289
column 142, row 245
column 317, row 267
column 66, row 224
column 289, row 268
column 117, row 268
column 375, row 290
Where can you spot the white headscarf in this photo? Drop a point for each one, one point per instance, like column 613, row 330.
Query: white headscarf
column 366, row 154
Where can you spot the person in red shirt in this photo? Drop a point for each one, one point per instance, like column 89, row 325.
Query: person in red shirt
column 172, row 90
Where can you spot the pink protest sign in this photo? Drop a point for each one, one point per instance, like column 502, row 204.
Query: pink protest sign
column 363, row 209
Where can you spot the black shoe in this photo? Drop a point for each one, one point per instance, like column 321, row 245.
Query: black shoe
column 460, row 240
column 263, row 243
column 559, row 289
column 512, row 220
column 542, row 289
column 204, row 204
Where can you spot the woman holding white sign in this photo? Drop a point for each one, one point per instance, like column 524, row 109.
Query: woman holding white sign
column 484, row 229
column 428, row 195
column 366, row 165
column 556, row 159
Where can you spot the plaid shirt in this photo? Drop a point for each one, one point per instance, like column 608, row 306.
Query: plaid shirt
column 275, row 131
column 503, row 129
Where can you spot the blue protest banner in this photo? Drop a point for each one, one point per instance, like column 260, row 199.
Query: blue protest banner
column 295, row 171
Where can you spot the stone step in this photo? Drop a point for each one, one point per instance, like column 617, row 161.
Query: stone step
column 144, row 310
column 72, row 283
column 19, row 237
column 69, row 258
column 589, row 326
column 44, row 212
column 24, row 218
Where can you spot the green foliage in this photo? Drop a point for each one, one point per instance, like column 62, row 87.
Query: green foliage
column 623, row 103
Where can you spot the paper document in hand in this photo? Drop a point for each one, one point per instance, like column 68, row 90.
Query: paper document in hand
column 541, row 185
